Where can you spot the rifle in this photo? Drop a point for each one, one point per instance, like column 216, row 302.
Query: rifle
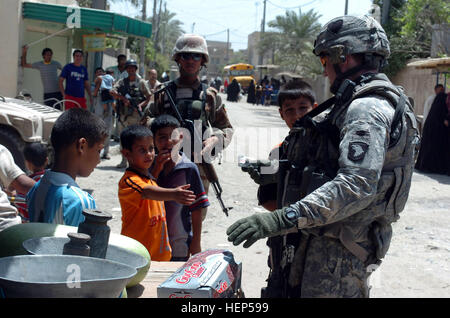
column 207, row 167
column 133, row 104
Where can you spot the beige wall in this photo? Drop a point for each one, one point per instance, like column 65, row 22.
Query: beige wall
column 9, row 52
column 418, row 84
column 13, row 34
column 33, row 31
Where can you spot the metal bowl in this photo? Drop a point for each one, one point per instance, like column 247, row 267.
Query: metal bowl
column 62, row 276
column 54, row 246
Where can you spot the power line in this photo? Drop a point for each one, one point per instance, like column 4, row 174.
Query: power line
column 212, row 34
column 290, row 8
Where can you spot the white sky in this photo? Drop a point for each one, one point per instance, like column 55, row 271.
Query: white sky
column 213, row 17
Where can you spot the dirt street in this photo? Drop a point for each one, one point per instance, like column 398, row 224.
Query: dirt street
column 417, row 264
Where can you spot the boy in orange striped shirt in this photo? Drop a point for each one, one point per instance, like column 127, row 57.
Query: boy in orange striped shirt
column 141, row 200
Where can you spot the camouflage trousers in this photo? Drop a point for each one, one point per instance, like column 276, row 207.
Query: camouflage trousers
column 324, row 268
column 126, row 121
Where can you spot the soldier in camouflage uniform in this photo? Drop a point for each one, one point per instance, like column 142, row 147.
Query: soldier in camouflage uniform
column 191, row 54
column 132, row 97
column 345, row 178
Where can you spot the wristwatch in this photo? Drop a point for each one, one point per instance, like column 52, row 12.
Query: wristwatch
column 291, row 214
column 294, row 216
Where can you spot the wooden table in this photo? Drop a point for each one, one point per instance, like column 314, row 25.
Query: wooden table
column 158, row 273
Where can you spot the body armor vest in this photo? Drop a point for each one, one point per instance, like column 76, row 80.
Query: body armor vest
column 311, row 159
column 136, row 97
column 193, row 108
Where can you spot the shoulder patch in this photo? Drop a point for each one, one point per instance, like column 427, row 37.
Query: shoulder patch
column 357, row 150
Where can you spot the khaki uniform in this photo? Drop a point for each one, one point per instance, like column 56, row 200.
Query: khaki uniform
column 129, row 115
column 216, row 115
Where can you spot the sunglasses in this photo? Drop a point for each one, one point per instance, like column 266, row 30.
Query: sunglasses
column 194, row 56
column 323, row 60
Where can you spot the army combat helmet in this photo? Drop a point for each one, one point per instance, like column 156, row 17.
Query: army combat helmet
column 131, row 63
column 347, row 35
column 191, row 43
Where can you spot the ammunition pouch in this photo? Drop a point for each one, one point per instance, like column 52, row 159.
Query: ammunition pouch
column 311, row 160
column 381, row 234
column 190, row 109
column 133, row 94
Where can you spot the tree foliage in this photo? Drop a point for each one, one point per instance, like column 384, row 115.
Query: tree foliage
column 291, row 39
column 166, row 30
column 409, row 29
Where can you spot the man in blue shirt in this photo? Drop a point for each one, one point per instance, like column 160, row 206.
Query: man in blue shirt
column 77, row 81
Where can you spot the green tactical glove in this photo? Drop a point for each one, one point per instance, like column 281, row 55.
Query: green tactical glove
column 258, row 177
column 259, row 226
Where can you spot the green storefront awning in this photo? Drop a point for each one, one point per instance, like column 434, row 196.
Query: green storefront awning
column 91, row 19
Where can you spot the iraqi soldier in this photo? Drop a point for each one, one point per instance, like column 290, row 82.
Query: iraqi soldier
column 194, row 100
column 343, row 179
column 132, row 97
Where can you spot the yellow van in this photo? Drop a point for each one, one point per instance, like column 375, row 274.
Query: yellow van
column 243, row 73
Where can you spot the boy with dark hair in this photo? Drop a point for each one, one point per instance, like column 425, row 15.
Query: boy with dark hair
column 295, row 99
column 77, row 139
column 36, row 160
column 104, row 103
column 143, row 212
column 172, row 169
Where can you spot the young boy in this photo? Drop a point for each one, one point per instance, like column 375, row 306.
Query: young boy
column 143, row 212
column 77, row 139
column 295, row 99
column 172, row 169
column 104, row 103
column 36, row 160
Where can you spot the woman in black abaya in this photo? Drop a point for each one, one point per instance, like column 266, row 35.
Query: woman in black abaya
column 251, row 93
column 434, row 154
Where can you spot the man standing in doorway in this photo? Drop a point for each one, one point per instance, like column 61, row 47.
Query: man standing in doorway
column 49, row 75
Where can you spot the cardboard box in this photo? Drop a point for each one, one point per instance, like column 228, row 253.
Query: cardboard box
column 210, row 274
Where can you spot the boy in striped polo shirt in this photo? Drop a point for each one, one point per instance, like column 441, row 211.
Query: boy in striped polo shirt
column 142, row 199
column 172, row 168
column 77, row 139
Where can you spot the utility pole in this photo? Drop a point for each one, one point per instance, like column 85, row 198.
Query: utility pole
column 256, row 15
column 157, row 26
column 98, row 56
column 263, row 28
column 164, row 25
column 346, row 7
column 228, row 44
column 385, row 12
column 142, row 50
